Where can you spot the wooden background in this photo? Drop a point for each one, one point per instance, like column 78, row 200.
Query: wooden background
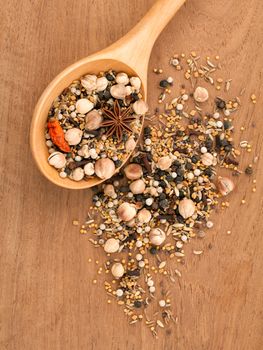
column 47, row 300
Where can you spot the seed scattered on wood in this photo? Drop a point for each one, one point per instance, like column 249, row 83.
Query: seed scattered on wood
column 197, row 143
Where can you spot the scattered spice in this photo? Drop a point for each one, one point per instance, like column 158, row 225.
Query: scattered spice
column 166, row 194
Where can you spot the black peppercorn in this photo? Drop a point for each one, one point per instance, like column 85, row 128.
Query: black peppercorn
column 135, row 96
column 179, row 179
column 131, row 237
column 149, row 157
column 136, row 160
column 121, row 103
column 208, row 143
column 67, row 171
column 249, row 170
column 161, row 172
column 227, row 124
column 124, row 137
column 109, row 77
column 188, row 166
column 147, row 131
column 218, row 141
column 181, row 194
column 162, row 183
column 124, row 189
column 180, row 219
column 208, row 172
column 194, row 159
column 153, row 250
column 138, row 197
column 135, row 272
column 164, row 83
column 180, row 172
column 179, row 133
column 164, row 204
column 137, row 304
column 106, row 95
column 100, row 94
column 162, row 196
column 228, row 148
column 224, row 143
column 220, row 103
column 169, row 178
column 118, row 163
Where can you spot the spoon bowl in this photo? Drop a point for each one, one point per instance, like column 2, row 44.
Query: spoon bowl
column 130, row 54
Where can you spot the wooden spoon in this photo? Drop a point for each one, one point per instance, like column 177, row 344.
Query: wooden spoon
column 130, row 54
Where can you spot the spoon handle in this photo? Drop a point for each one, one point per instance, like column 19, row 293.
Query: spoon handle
column 136, row 46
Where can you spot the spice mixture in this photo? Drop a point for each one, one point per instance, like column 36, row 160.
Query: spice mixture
column 94, row 125
column 143, row 217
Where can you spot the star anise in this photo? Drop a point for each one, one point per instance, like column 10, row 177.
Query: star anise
column 117, row 121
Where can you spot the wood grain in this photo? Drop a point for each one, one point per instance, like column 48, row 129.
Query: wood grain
column 47, row 300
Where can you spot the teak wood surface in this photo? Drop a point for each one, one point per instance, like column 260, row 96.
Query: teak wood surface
column 47, row 300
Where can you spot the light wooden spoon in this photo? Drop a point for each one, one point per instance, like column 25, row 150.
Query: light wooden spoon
column 130, row 54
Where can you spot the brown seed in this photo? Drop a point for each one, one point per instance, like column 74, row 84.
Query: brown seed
column 126, row 211
column 137, row 186
column 109, row 190
column 104, row 168
column 186, row 208
column 164, row 163
column 157, row 236
column 133, row 171
column 201, row 94
column 144, row 216
column 93, row 120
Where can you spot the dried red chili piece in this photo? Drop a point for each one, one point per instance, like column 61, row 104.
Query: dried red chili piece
column 57, row 135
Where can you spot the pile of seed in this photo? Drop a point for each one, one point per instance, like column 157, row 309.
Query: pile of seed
column 94, row 124
column 164, row 197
